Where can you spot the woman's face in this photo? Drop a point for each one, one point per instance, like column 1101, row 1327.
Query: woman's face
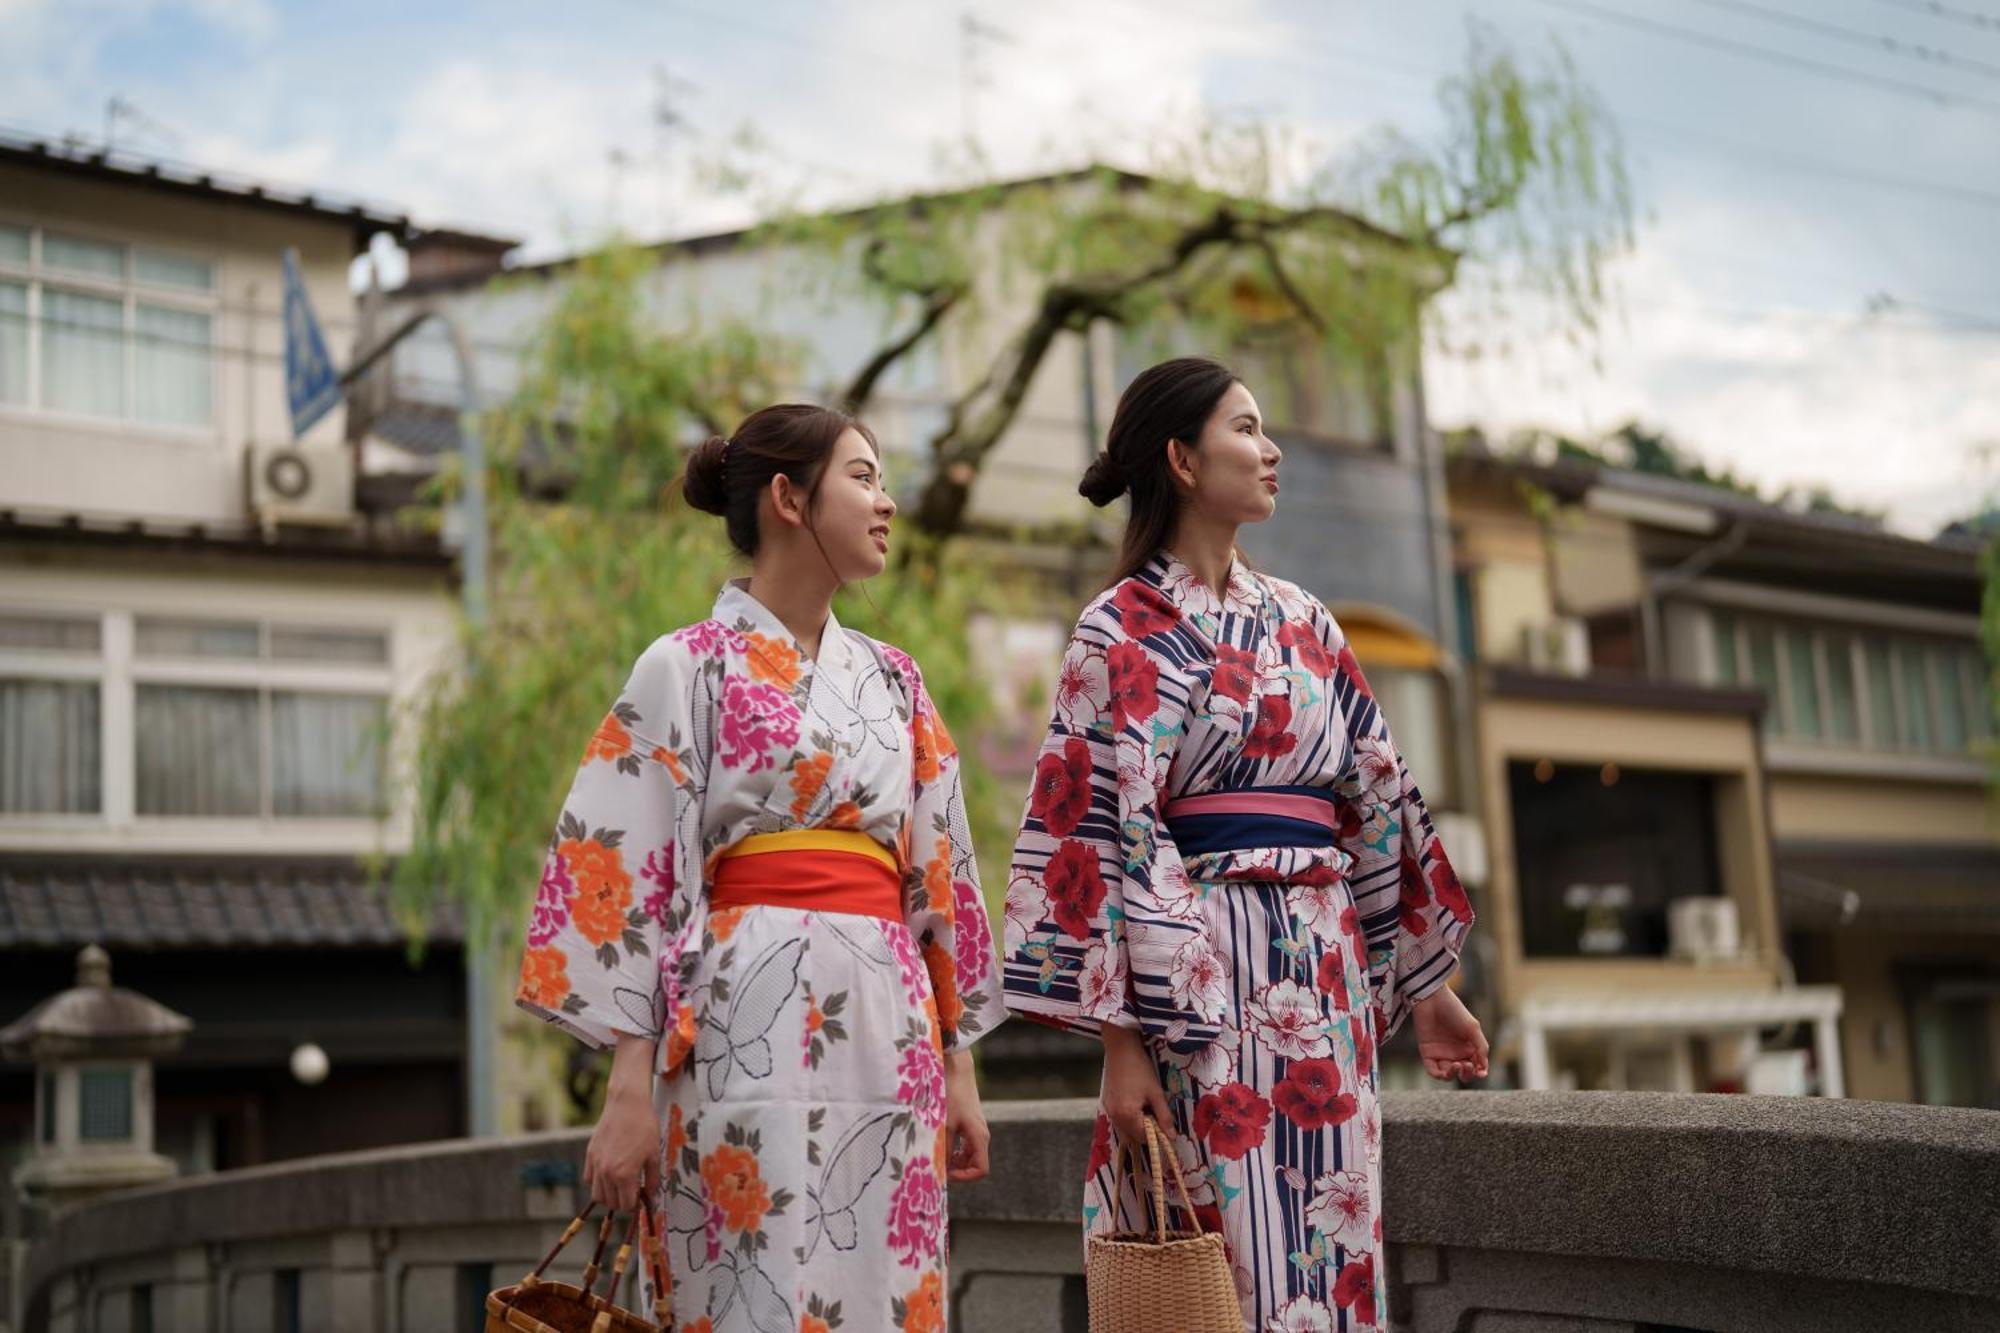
column 1232, row 473
column 852, row 512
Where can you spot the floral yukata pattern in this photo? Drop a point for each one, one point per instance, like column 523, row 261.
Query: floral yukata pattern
column 1263, row 980
column 801, row 1088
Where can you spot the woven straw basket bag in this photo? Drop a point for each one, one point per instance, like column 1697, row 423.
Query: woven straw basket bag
column 534, row 1305
column 1174, row 1281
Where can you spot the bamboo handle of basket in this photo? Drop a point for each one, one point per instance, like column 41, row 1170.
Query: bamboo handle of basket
column 568, row 1235
column 597, row 1258
column 656, row 1260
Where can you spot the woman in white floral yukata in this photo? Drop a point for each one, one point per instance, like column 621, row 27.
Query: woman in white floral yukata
column 1225, row 872
column 762, row 893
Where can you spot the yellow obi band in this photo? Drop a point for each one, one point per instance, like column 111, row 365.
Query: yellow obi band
column 813, row 870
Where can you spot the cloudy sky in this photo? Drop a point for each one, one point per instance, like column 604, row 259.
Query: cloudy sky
column 1814, row 297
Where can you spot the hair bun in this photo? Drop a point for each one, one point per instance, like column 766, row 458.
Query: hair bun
column 1103, row 481
column 703, row 484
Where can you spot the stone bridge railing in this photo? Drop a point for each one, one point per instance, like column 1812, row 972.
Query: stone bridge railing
column 1506, row 1212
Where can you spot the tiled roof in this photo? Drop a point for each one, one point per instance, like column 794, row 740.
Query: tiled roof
column 142, row 902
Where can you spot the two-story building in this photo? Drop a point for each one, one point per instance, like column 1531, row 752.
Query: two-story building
column 206, row 652
column 1731, row 769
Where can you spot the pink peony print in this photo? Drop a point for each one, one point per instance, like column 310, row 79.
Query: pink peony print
column 916, row 1214
column 971, row 936
column 757, row 719
column 920, row 1084
column 551, row 901
column 916, row 977
column 709, row 638
column 659, row 871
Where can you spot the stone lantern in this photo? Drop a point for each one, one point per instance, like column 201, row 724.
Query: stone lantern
column 93, row 1048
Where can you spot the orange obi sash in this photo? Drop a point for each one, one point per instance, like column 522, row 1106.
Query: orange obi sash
column 813, row 870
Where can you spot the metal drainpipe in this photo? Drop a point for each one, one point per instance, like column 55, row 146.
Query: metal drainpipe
column 1686, row 572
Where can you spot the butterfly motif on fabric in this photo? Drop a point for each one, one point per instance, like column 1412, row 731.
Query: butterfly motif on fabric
column 766, row 1308
column 741, row 1041
column 856, row 1160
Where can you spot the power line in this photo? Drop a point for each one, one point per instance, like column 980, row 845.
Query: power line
column 1856, row 37
column 1772, row 56
column 1949, row 13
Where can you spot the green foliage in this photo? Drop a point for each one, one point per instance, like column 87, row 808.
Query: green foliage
column 583, row 583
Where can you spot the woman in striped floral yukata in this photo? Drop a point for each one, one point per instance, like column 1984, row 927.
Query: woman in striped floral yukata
column 1225, row 872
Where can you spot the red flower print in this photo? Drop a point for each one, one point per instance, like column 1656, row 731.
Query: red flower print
column 1307, row 649
column 1235, row 673
column 1332, row 980
column 1100, row 1145
column 1309, row 1095
column 1269, row 737
column 1133, row 676
column 1355, row 1288
column 1144, row 609
column 1231, row 1120
column 1364, row 1052
column 1450, row 893
column 1350, row 925
column 1352, row 670
column 1075, row 887
column 1061, row 794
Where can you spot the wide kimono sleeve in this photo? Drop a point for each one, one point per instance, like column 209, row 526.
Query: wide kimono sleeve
column 1102, row 922
column 606, row 923
column 946, row 912
column 1413, row 911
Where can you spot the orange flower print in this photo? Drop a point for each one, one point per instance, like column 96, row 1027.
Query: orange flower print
column 944, row 985
column 544, row 978
column 662, row 755
column 815, row 1017
column 680, row 1039
column 701, row 1325
column 723, row 922
column 845, row 815
column 603, row 888
column 940, row 738
column 611, row 740
column 773, row 662
column 925, row 743
column 923, row 1309
column 812, row 1324
column 808, row 776
column 730, row 1176
column 677, row 1137
column 937, row 877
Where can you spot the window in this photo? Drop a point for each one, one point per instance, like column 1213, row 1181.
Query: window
column 1954, row 1019
column 48, row 1107
column 105, row 1100
column 103, row 329
column 1601, row 852
column 226, row 718
column 51, row 753
column 215, row 750
column 1880, row 691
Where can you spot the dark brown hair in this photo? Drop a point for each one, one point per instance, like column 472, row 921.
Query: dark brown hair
column 725, row 476
column 1170, row 401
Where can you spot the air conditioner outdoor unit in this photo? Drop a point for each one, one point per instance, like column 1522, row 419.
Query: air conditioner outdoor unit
column 1703, row 929
column 300, row 483
column 1557, row 645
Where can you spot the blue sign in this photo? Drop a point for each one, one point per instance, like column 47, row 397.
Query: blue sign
column 312, row 385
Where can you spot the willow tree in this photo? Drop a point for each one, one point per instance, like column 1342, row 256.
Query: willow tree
column 1225, row 244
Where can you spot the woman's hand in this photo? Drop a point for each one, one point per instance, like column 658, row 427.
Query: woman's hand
column 625, row 1147
column 964, row 1122
column 1449, row 1038
column 1132, row 1088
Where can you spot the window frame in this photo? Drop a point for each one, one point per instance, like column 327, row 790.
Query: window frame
column 37, row 277
column 120, row 671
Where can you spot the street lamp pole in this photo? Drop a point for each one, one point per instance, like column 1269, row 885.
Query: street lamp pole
column 480, row 1095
